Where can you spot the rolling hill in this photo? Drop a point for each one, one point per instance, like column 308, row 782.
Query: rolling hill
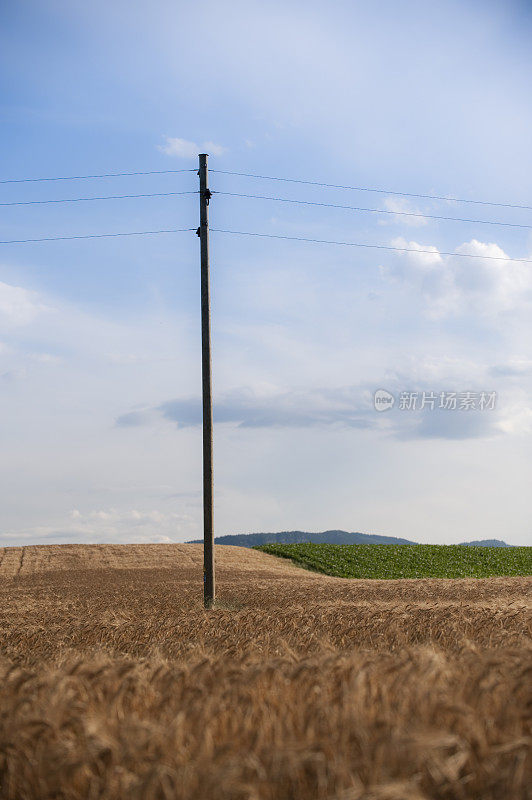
column 326, row 537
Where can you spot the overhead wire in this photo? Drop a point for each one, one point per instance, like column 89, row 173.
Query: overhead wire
column 103, row 175
column 373, row 210
column 97, row 236
column 269, row 198
column 368, row 189
column 306, row 182
column 416, row 250
column 87, row 199
column 434, row 252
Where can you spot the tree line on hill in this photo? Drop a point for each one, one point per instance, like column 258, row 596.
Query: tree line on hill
column 327, row 537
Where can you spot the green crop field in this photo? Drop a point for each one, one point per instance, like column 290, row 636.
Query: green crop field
column 406, row 561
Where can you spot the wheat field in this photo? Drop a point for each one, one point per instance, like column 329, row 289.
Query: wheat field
column 116, row 683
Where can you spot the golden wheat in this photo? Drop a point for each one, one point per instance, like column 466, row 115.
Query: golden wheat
column 116, row 683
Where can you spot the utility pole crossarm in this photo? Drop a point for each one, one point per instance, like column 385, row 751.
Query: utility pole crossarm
column 206, row 371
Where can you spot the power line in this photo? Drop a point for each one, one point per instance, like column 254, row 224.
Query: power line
column 367, row 189
column 269, row 178
column 97, row 236
column 86, row 199
column 266, row 236
column 266, row 197
column 374, row 210
column 372, row 246
column 104, row 175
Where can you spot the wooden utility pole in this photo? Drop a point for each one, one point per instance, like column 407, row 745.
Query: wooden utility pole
column 206, row 371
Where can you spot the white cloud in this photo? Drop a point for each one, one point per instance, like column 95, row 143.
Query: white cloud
column 422, row 256
column 109, row 525
column 514, row 368
column 485, row 284
column 44, row 358
column 12, row 375
column 181, row 148
column 402, row 207
column 214, row 149
column 287, row 353
column 18, row 306
column 352, row 407
column 442, row 371
column 516, row 419
column 498, row 285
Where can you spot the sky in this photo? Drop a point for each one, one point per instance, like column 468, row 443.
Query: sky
column 100, row 372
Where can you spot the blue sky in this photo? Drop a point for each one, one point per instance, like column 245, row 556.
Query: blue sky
column 99, row 339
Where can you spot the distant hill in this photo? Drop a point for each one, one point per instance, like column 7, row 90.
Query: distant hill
column 326, row 537
column 298, row 537
column 487, row 543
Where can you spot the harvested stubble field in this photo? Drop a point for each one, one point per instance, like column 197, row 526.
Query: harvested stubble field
column 116, row 683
